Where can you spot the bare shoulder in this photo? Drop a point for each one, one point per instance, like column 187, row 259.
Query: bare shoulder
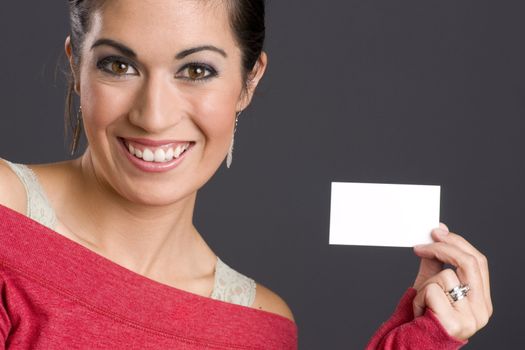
column 267, row 300
column 12, row 191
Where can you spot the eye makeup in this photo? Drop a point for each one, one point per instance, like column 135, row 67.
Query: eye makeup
column 190, row 67
column 112, row 59
column 196, row 66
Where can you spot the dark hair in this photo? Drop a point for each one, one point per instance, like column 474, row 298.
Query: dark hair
column 246, row 21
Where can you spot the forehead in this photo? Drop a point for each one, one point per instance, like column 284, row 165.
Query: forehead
column 150, row 25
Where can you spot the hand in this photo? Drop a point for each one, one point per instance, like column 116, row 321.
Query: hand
column 464, row 317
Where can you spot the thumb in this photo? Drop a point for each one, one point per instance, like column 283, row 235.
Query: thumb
column 419, row 304
column 433, row 298
column 427, row 269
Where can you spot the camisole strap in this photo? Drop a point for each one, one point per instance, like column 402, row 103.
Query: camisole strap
column 38, row 207
column 232, row 286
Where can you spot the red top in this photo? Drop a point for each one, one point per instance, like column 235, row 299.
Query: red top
column 57, row 294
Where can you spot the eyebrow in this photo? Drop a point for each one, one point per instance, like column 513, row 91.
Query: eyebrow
column 193, row 50
column 130, row 53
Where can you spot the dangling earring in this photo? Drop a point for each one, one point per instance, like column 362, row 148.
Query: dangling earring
column 76, row 132
column 229, row 158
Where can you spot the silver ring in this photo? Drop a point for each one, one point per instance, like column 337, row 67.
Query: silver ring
column 458, row 292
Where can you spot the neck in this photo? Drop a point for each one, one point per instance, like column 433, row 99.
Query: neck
column 159, row 241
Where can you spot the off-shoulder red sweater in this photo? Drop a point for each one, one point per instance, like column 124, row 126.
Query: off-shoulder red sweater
column 57, row 294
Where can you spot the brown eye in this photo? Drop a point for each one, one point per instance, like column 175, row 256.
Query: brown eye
column 196, row 72
column 119, row 68
column 116, row 66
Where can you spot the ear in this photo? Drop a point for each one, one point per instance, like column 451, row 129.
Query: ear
column 254, row 77
column 72, row 65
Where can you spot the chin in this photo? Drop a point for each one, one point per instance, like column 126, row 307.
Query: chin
column 159, row 198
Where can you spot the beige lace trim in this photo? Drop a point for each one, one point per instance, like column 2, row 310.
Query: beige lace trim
column 232, row 286
column 38, row 207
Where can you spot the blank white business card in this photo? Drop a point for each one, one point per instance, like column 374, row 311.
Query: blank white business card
column 383, row 214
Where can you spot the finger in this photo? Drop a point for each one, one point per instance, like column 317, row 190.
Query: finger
column 440, row 231
column 457, row 240
column 468, row 270
column 482, row 262
column 448, row 280
column 443, row 227
column 463, row 244
column 433, row 297
column 427, row 269
column 458, row 324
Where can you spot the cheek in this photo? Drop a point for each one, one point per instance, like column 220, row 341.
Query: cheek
column 103, row 104
column 214, row 114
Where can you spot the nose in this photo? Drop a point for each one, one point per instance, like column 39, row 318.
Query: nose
column 157, row 107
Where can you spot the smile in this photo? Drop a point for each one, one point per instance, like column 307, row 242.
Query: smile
column 159, row 154
column 155, row 156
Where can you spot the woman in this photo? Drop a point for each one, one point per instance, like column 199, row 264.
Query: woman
column 101, row 252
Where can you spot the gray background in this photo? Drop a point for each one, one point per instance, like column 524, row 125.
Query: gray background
column 402, row 91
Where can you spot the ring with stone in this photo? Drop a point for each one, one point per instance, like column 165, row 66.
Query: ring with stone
column 458, row 292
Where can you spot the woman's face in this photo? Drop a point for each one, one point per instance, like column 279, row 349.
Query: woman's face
column 160, row 84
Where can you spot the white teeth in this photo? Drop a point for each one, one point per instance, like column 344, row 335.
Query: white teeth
column 169, row 154
column 160, row 156
column 147, row 155
column 178, row 151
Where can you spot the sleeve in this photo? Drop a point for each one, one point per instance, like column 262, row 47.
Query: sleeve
column 402, row 332
column 5, row 322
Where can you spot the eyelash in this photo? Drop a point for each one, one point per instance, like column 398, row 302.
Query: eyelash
column 212, row 72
